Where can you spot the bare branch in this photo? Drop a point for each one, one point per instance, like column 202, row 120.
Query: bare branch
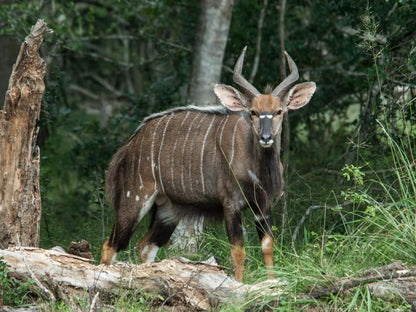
column 309, row 211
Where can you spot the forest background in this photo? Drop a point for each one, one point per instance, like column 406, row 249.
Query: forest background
column 351, row 166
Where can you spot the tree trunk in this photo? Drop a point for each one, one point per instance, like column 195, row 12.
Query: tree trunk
column 285, row 140
column 20, row 201
column 214, row 23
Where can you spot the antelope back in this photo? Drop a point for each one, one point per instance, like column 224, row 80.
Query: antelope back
column 184, row 153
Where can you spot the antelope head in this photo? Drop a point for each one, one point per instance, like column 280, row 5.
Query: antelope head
column 266, row 110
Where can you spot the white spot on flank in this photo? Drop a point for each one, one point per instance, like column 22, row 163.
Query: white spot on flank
column 137, row 198
column 128, row 194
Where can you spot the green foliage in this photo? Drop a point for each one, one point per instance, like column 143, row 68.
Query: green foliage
column 12, row 292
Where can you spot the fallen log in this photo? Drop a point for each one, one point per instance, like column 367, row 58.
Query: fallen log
column 395, row 281
column 198, row 286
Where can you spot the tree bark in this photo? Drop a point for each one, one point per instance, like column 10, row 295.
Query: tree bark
column 194, row 286
column 285, row 140
column 213, row 27
column 186, row 285
column 20, row 201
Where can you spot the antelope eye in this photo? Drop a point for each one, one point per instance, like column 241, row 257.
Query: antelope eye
column 254, row 113
column 278, row 113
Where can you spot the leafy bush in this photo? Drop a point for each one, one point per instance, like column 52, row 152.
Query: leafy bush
column 12, row 292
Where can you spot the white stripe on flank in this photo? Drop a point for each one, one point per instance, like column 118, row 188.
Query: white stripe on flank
column 152, row 152
column 140, row 160
column 202, row 155
column 160, row 152
column 172, row 180
column 233, row 141
column 183, row 152
column 196, row 135
column 144, row 209
column 214, row 154
column 222, row 130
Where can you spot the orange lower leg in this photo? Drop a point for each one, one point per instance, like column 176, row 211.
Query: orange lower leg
column 107, row 254
column 267, row 249
column 239, row 255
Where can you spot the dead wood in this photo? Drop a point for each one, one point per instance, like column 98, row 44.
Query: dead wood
column 395, row 281
column 197, row 286
column 20, row 201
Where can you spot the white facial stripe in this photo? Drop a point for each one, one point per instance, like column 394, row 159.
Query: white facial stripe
column 262, row 116
column 268, row 116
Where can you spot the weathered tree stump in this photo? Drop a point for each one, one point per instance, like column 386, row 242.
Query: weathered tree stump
column 20, row 201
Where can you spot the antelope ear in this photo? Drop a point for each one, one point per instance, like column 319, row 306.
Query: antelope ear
column 231, row 98
column 300, row 95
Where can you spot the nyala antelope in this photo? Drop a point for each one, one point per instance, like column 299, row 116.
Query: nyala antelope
column 213, row 161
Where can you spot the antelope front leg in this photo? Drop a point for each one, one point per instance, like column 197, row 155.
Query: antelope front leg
column 235, row 237
column 263, row 224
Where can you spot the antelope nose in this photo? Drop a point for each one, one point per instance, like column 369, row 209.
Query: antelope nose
column 266, row 137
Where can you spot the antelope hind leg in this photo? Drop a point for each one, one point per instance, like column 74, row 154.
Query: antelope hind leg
column 161, row 228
